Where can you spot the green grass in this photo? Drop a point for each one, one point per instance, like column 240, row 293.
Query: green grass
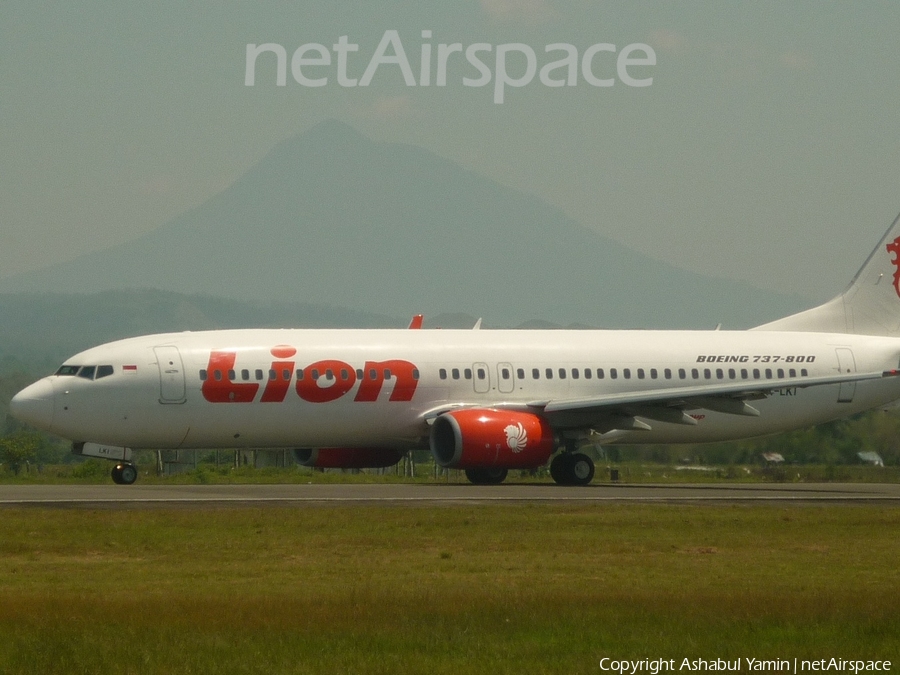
column 451, row 589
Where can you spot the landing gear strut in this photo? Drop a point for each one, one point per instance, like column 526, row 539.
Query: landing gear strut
column 124, row 474
column 572, row 468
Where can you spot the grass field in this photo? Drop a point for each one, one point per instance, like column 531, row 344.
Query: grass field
column 450, row 589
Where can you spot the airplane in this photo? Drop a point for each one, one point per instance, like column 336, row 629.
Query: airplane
column 484, row 401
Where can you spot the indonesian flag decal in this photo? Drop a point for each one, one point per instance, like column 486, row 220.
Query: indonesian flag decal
column 129, row 368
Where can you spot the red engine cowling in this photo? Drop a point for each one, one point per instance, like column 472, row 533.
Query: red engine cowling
column 482, row 438
column 348, row 458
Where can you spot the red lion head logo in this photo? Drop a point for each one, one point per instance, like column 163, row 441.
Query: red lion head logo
column 894, row 247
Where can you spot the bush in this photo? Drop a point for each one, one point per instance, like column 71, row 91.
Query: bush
column 91, row 468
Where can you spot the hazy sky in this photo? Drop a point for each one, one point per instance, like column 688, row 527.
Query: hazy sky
column 766, row 149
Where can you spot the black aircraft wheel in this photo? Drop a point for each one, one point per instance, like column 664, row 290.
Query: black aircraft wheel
column 490, row 476
column 560, row 469
column 116, row 474
column 128, row 473
column 581, row 469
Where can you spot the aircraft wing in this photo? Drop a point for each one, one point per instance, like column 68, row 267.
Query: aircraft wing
column 606, row 412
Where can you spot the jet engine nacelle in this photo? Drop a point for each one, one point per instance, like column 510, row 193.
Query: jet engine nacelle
column 348, row 458
column 482, row 438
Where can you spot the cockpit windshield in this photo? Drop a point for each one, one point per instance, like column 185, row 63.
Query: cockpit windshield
column 87, row 372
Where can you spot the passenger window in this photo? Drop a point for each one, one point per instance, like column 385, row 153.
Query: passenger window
column 599, row 373
column 467, row 373
column 203, row 375
column 87, row 372
column 707, row 373
column 535, row 374
column 768, row 372
column 743, row 373
column 387, row 374
column 299, row 374
column 272, row 374
column 286, row 374
column 104, row 371
column 574, row 373
column 587, row 374
column 231, row 375
column 442, row 373
column 695, row 373
column 481, row 374
column 549, row 373
column 803, row 372
column 218, row 375
column 520, row 373
column 562, row 373
column 613, row 374
column 626, row 373
column 719, row 374
column 732, row 374
column 756, row 373
column 792, row 372
column 360, row 373
column 455, row 373
column 345, row 375
column 259, row 374
column 373, row 374
column 653, row 373
column 682, row 374
column 668, row 373
column 640, row 373
column 781, row 372
column 504, row 373
column 329, row 374
column 315, row 373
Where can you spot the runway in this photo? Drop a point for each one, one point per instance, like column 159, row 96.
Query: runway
column 143, row 496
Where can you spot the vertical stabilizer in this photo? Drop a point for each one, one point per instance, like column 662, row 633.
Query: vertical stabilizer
column 869, row 306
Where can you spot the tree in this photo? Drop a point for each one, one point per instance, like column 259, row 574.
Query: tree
column 19, row 448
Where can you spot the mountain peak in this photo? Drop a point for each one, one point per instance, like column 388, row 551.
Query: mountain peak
column 330, row 216
column 328, row 134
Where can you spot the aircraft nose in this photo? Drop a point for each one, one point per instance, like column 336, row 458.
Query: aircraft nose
column 34, row 405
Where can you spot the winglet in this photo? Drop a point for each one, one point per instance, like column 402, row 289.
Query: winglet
column 416, row 322
column 477, row 325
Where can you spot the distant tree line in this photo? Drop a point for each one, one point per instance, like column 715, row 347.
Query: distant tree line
column 837, row 442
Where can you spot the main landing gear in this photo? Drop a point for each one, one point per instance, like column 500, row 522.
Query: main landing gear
column 124, row 474
column 572, row 468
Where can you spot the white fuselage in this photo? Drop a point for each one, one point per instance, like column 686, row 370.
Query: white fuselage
column 330, row 388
